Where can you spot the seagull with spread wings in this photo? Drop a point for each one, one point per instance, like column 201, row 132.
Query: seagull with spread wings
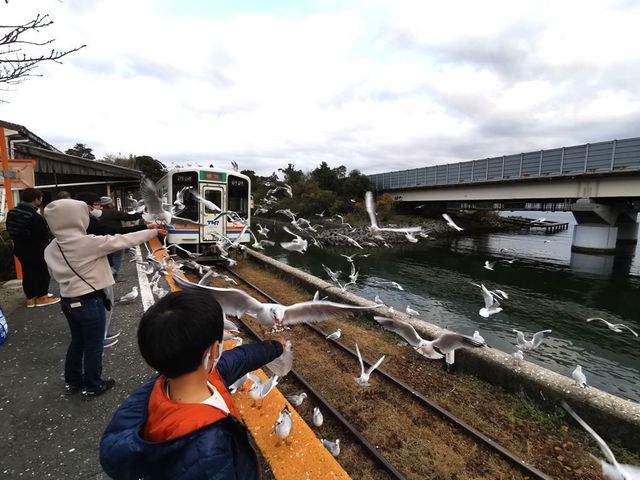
column 451, row 223
column 433, row 349
column 363, row 379
column 535, row 342
column 153, row 205
column 375, row 228
column 491, row 305
column 616, row 327
column 236, row 303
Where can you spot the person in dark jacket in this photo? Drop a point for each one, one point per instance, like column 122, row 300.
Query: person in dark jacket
column 113, row 217
column 30, row 236
column 183, row 423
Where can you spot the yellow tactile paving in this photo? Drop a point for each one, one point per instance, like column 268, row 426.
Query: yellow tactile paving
column 303, row 456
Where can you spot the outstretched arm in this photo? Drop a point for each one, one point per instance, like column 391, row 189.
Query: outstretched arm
column 238, row 361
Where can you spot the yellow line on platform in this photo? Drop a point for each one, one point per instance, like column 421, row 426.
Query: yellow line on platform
column 303, row 456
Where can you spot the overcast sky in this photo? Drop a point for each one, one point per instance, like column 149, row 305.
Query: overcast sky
column 375, row 85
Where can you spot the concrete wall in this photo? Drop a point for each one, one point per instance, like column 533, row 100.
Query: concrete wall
column 597, row 187
column 611, row 416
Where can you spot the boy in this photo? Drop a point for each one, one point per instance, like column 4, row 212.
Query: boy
column 183, row 423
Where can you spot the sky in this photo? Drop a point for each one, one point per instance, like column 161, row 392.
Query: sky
column 375, row 85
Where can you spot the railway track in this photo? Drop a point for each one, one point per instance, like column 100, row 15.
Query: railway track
column 402, row 389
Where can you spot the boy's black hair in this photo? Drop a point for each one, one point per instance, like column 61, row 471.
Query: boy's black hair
column 31, row 194
column 175, row 332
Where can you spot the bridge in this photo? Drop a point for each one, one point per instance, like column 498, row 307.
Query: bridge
column 598, row 182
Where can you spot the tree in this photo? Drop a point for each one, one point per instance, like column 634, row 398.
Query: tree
column 82, row 151
column 356, row 185
column 291, row 175
column 150, row 167
column 22, row 49
column 326, row 177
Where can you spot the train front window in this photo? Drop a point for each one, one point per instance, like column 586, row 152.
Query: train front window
column 185, row 181
column 214, row 196
column 238, row 195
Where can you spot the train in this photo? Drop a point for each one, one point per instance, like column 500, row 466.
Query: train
column 228, row 189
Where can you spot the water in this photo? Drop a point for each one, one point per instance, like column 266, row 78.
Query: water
column 548, row 287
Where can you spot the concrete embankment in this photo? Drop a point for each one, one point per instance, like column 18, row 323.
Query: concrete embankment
column 613, row 417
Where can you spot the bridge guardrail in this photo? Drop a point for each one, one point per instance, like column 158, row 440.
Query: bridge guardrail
column 590, row 158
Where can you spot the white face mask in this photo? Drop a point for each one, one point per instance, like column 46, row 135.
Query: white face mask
column 205, row 361
column 96, row 212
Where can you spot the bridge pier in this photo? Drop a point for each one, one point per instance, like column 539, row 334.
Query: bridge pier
column 594, row 238
column 628, row 228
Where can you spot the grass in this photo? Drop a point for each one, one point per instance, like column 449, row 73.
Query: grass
column 526, row 411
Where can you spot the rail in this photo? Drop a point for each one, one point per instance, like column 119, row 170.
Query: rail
column 525, row 467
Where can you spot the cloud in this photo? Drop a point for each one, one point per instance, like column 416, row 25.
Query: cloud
column 372, row 84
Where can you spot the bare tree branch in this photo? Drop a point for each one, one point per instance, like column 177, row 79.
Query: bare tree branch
column 16, row 62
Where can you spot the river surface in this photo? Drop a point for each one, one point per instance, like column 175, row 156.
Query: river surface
column 548, row 287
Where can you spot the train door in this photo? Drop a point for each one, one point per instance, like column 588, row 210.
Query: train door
column 213, row 224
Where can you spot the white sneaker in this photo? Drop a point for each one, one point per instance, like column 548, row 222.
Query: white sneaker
column 110, row 343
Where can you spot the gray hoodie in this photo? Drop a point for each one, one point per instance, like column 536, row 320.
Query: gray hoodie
column 68, row 221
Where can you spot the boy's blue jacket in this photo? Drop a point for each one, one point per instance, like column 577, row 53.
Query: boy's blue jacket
column 217, row 451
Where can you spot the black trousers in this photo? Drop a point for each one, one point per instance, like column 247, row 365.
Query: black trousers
column 35, row 274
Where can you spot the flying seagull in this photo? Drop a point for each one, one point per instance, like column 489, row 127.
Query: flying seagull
column 616, row 327
column 611, row 469
column 375, row 228
column 363, row 379
column 532, row 344
column 261, row 389
column 450, row 222
column 433, row 349
column 491, row 305
column 236, row 303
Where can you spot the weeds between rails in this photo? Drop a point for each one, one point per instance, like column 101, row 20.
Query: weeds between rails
column 543, row 438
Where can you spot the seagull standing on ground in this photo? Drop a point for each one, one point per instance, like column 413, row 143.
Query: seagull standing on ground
column 333, row 447
column 283, row 425
column 478, row 337
column 296, row 400
column 335, row 335
column 578, row 376
column 318, row 419
column 128, row 298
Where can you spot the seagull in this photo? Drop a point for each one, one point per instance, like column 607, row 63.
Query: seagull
column 333, row 447
column 611, row 469
column 532, row 344
column 260, row 389
column 318, row 419
column 158, row 291
column 262, row 230
column 207, row 203
column 283, row 425
column 236, row 303
column 234, row 165
column 319, row 214
column 351, row 241
column 451, row 223
column 518, row 357
column 539, row 220
column 375, row 228
column 153, row 206
column 316, row 296
column 298, row 244
column 411, row 311
column 578, row 376
column 393, row 284
column 491, row 305
column 237, row 385
column 363, row 379
column 378, row 300
column 335, row 335
column 351, row 257
column 478, row 337
column 616, row 327
column 489, row 265
column 332, row 275
column 411, row 238
column 501, row 293
column 128, row 298
column 262, row 243
column 433, row 349
column 296, row 400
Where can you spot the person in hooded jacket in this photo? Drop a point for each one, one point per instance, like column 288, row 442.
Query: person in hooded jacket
column 78, row 262
column 183, row 423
